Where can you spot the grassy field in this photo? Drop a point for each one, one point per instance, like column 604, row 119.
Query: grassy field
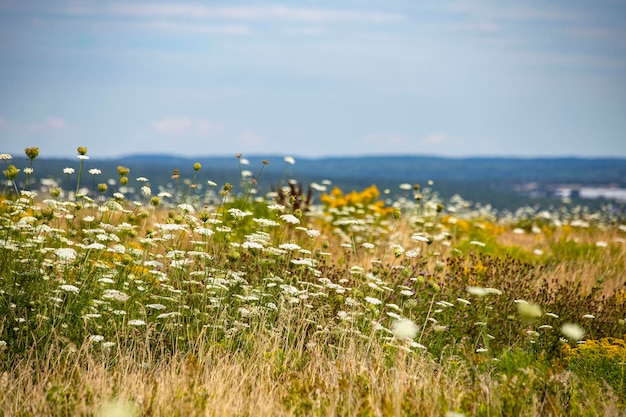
column 214, row 300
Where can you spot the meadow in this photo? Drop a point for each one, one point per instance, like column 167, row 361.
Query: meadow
column 119, row 297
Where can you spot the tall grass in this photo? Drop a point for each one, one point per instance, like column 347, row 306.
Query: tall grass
column 207, row 299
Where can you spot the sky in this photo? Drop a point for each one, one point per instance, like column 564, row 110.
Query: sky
column 454, row 78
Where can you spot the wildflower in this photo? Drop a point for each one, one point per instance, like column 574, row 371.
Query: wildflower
column 66, row 254
column 5, row 156
column 69, row 288
column 572, row 331
column 68, row 171
column 203, row 231
column 96, row 338
column 168, row 315
column 374, row 301
column 136, row 323
column 404, row 329
column 186, row 208
column 252, row 245
column 239, row 214
column 413, row 253
column 115, row 295
column 477, row 291
column 477, row 243
column 290, row 218
column 83, row 157
column 156, row 306
column 398, row 250
column 342, row 315
column 589, row 316
column 146, row 191
column 197, row 166
column 420, row 238
column 289, row 160
column 11, row 172
column 312, row 233
column 32, row 153
column 122, row 170
column 289, row 246
column 464, row 301
column 211, row 183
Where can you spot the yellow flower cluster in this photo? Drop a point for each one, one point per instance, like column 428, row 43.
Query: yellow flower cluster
column 608, row 347
column 368, row 198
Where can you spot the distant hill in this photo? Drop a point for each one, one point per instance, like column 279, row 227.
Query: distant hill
column 487, row 180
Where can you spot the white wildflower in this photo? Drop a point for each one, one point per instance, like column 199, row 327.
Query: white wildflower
column 69, row 288
column 374, row 301
column 290, row 218
column 66, row 254
column 404, row 329
column 477, row 291
column 572, row 331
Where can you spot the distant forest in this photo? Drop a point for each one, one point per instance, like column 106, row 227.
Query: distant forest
column 497, row 181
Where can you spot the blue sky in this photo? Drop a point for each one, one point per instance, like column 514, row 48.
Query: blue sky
column 314, row 78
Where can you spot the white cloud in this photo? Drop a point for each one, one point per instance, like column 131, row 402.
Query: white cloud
column 251, row 141
column 438, row 138
column 176, row 126
column 190, row 28
column 385, row 140
column 249, row 13
column 55, row 122
column 49, row 124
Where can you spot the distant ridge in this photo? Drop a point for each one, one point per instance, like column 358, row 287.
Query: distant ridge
column 392, row 168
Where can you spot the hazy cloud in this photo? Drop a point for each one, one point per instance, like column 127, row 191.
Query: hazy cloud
column 438, row 138
column 50, row 123
column 55, row 122
column 286, row 13
column 174, row 126
column 386, row 140
column 251, row 141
